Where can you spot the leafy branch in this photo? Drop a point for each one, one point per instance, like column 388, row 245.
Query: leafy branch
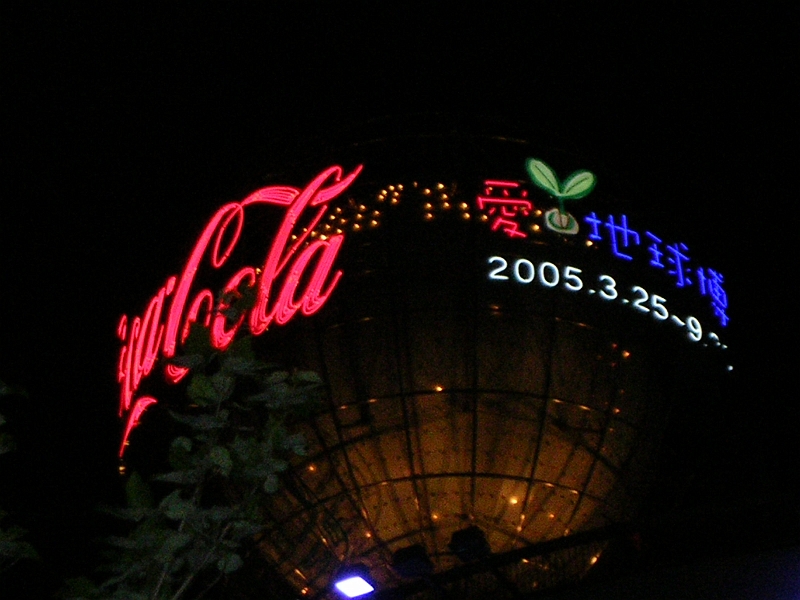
column 578, row 185
column 235, row 447
column 12, row 547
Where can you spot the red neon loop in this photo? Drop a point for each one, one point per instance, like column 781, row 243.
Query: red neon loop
column 216, row 261
column 296, row 276
column 133, row 419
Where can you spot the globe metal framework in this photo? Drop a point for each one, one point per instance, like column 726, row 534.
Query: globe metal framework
column 453, row 403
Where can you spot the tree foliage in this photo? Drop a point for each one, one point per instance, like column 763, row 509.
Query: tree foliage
column 189, row 525
column 13, row 547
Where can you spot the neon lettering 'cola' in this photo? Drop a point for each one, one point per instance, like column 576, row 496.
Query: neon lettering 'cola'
column 297, row 275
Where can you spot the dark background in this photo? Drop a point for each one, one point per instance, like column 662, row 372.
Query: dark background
column 124, row 128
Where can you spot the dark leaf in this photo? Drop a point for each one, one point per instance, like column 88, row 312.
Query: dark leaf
column 295, row 443
column 223, row 386
column 180, row 456
column 276, row 377
column 307, row 377
column 271, row 483
column 6, row 443
column 176, row 508
column 221, row 458
column 199, row 341
column 201, row 390
column 128, row 514
column 219, row 513
column 189, row 361
column 202, row 422
column 138, row 493
column 187, row 477
column 241, row 365
column 174, row 542
column 243, row 529
column 230, row 562
column 278, row 465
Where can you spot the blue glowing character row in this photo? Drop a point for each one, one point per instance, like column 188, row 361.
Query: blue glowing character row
column 674, row 258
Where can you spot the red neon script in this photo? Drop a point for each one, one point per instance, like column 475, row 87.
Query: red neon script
column 297, row 275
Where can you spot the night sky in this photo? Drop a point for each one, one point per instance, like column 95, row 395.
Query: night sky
column 124, row 128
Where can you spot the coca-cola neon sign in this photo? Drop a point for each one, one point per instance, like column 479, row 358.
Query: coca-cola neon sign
column 292, row 262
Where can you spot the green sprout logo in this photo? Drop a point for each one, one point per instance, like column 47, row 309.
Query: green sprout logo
column 576, row 186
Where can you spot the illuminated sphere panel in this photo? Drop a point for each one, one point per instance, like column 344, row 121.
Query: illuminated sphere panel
column 455, row 402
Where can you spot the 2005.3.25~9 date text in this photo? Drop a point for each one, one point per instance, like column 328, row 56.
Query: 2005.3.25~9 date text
column 573, row 279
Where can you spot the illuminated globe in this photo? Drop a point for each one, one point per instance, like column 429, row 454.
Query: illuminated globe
column 488, row 372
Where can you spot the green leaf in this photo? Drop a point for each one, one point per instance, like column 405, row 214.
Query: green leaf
column 127, row 514
column 240, row 365
column 295, row 443
column 175, row 507
column 278, row 465
column 137, row 492
column 182, row 443
column 6, row 443
column 199, row 341
column 180, row 454
column 223, row 385
column 276, row 377
column 218, row 513
column 221, row 458
column 578, row 185
column 307, row 377
column 244, row 448
column 174, row 542
column 245, row 529
column 202, row 390
column 230, row 562
column 271, row 483
column 12, row 390
column 543, row 176
column 189, row 361
column 202, row 422
column 79, row 587
column 187, row 477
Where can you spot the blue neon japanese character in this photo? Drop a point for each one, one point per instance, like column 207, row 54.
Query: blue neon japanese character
column 655, row 252
column 710, row 282
column 623, row 231
column 594, row 223
column 677, row 259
